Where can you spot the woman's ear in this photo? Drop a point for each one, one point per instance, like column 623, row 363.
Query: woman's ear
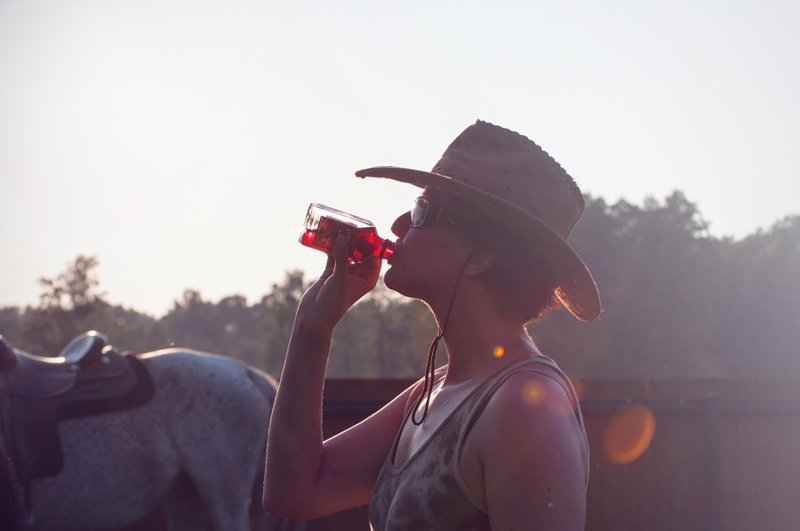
column 480, row 260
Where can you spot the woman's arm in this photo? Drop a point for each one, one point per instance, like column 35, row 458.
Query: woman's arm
column 532, row 451
column 304, row 477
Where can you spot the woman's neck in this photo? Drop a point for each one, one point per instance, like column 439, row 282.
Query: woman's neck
column 480, row 339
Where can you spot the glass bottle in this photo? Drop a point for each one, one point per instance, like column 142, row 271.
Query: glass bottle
column 323, row 224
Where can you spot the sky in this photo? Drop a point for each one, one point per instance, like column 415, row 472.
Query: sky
column 181, row 142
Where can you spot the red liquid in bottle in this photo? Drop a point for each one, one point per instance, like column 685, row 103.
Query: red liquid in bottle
column 365, row 240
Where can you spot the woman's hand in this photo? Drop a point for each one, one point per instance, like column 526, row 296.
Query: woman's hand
column 341, row 285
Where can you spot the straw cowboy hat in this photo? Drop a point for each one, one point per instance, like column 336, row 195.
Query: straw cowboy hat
column 518, row 184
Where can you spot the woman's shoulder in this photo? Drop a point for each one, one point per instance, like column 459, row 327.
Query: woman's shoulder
column 531, row 390
column 527, row 442
column 527, row 398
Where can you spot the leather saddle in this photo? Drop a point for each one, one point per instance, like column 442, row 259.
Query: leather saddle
column 89, row 377
column 86, row 360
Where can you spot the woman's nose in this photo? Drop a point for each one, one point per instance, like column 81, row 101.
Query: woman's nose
column 401, row 224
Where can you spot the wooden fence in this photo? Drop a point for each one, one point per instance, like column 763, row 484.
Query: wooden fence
column 721, row 455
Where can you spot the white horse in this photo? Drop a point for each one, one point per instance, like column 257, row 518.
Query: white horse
column 195, row 449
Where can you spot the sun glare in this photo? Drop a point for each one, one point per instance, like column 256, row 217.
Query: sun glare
column 629, row 434
column 533, row 393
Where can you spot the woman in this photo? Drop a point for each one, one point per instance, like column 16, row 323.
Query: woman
column 494, row 439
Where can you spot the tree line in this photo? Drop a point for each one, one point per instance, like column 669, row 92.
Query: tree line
column 677, row 302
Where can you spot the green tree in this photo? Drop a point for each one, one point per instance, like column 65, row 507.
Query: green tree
column 77, row 287
column 278, row 309
column 758, row 308
column 677, row 303
column 70, row 303
column 192, row 322
column 653, row 267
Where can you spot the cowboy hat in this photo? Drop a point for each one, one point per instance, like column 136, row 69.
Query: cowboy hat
column 520, row 186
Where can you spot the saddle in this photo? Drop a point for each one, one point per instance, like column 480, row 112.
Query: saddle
column 89, row 377
column 87, row 358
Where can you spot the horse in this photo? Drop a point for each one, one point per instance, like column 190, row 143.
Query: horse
column 176, row 429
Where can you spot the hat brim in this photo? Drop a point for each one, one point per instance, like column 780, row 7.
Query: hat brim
column 577, row 290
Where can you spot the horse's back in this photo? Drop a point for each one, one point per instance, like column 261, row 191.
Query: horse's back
column 195, row 368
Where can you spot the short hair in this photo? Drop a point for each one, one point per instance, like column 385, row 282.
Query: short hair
column 522, row 281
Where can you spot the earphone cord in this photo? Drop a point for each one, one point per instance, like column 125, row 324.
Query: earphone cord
column 430, row 369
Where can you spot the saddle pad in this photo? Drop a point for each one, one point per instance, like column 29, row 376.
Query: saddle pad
column 35, row 422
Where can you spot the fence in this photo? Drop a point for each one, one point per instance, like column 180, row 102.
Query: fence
column 691, row 454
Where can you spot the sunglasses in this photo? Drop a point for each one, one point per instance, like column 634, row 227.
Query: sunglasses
column 425, row 213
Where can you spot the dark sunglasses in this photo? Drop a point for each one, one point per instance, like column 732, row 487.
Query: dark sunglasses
column 419, row 213
column 424, row 213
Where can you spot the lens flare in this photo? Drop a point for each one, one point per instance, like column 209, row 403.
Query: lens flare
column 628, row 434
column 499, row 351
column 533, row 393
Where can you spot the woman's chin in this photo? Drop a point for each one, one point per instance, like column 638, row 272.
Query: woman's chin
column 393, row 281
column 389, row 279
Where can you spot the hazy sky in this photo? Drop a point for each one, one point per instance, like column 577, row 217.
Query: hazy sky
column 181, row 142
